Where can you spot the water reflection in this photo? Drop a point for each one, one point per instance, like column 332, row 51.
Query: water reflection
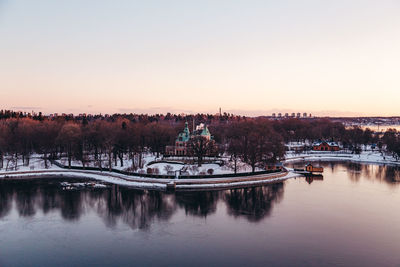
column 356, row 171
column 310, row 179
column 200, row 203
column 135, row 208
column 253, row 203
column 138, row 209
column 5, row 201
column 381, row 173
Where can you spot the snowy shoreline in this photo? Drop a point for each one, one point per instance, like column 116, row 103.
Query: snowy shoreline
column 364, row 157
column 152, row 183
column 368, row 157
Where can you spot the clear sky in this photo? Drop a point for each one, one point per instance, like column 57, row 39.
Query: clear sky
column 250, row 57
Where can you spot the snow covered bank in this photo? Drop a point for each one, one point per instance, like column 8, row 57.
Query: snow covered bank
column 123, row 180
column 149, row 161
column 151, row 183
column 236, row 184
column 373, row 157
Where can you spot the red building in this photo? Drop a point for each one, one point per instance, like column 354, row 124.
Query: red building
column 326, row 146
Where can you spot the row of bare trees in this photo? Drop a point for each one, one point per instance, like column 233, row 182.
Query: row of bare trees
column 255, row 142
column 95, row 141
column 107, row 142
column 391, row 139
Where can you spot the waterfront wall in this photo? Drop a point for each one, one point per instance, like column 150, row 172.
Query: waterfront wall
column 158, row 176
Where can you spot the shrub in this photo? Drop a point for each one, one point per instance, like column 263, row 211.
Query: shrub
column 194, row 170
column 168, row 168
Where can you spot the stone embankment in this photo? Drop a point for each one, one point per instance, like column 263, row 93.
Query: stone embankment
column 155, row 183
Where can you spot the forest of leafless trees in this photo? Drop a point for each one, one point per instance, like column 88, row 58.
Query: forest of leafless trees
column 111, row 138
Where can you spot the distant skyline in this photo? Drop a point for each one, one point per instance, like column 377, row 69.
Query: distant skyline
column 337, row 58
column 165, row 110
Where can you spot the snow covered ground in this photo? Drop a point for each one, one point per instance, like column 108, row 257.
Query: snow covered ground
column 154, row 183
column 35, row 163
column 364, row 157
column 216, row 185
column 169, row 167
column 193, row 169
column 36, row 168
column 118, row 179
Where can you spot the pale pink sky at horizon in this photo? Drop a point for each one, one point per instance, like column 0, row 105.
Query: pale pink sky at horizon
column 338, row 58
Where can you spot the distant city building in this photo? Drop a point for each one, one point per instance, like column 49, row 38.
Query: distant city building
column 279, row 115
column 298, row 115
column 304, row 115
column 273, row 115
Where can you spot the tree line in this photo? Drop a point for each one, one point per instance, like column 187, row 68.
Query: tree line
column 107, row 141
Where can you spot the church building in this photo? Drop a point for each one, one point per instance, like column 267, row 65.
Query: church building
column 181, row 143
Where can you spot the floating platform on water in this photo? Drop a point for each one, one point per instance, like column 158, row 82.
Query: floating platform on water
column 310, row 170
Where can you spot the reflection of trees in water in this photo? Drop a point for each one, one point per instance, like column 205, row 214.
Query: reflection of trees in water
column 354, row 171
column 5, row 200
column 388, row 174
column 382, row 173
column 200, row 203
column 25, row 202
column 253, row 203
column 44, row 195
column 333, row 166
column 136, row 208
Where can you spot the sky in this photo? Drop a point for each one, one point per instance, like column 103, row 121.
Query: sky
column 338, row 58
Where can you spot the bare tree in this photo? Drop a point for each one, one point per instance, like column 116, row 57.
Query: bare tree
column 199, row 147
column 69, row 137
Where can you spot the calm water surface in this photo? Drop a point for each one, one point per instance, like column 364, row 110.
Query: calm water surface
column 351, row 217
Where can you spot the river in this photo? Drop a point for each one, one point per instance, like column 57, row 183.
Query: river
column 350, row 217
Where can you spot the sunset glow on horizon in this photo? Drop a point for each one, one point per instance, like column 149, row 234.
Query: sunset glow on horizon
column 338, row 58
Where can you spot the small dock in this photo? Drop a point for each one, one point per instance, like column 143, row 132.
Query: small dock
column 310, row 170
